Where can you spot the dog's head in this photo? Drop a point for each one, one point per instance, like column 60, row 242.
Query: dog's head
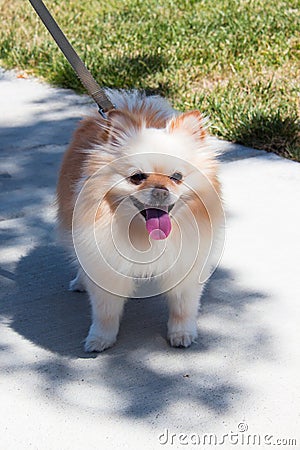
column 155, row 172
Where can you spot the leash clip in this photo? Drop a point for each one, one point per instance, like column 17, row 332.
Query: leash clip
column 102, row 113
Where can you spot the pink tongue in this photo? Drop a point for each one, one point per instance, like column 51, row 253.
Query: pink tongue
column 158, row 223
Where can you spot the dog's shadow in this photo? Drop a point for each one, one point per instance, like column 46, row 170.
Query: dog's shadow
column 42, row 310
column 45, row 312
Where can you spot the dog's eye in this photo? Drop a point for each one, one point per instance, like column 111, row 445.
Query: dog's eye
column 177, row 177
column 138, row 178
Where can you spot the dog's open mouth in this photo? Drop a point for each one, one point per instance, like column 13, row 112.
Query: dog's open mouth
column 158, row 221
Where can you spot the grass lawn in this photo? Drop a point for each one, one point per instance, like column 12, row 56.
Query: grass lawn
column 237, row 61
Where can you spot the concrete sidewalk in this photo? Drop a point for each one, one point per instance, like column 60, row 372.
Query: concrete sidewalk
column 240, row 382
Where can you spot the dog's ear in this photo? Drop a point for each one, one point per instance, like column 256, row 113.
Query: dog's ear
column 191, row 122
column 122, row 126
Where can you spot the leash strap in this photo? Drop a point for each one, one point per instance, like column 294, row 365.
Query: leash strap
column 85, row 76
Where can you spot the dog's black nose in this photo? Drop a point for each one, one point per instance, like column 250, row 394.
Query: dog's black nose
column 160, row 193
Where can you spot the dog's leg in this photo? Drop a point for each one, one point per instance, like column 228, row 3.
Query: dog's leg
column 107, row 310
column 77, row 284
column 183, row 304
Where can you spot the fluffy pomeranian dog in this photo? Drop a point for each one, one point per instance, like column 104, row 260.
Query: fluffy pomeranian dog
column 139, row 208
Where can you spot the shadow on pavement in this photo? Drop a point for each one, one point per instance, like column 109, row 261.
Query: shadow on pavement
column 144, row 373
column 43, row 312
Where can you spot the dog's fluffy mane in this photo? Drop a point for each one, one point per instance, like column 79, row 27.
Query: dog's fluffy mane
column 95, row 141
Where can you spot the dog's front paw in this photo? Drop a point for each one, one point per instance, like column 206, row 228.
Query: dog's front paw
column 181, row 339
column 182, row 333
column 98, row 343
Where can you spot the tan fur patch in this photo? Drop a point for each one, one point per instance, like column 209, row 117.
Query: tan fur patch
column 157, row 180
column 192, row 122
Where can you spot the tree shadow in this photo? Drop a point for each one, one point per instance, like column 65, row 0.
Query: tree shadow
column 51, row 117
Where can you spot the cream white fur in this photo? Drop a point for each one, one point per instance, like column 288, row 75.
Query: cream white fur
column 112, row 258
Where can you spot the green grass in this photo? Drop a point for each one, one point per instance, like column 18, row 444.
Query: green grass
column 237, row 61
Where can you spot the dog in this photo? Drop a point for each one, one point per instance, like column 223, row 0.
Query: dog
column 139, row 204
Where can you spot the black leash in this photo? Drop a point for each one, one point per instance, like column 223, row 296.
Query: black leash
column 85, row 76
